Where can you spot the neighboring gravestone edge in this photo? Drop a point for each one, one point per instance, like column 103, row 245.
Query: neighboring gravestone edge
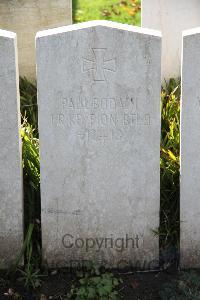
column 7, row 34
column 171, row 17
column 28, row 18
column 11, row 183
column 190, row 149
column 190, row 32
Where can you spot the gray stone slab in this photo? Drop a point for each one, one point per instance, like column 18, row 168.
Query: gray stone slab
column 26, row 18
column 11, row 217
column 99, row 121
column 190, row 151
column 171, row 17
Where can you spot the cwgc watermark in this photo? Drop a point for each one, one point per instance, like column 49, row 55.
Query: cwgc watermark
column 132, row 265
column 97, row 244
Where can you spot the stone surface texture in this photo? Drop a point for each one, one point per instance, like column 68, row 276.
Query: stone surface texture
column 171, row 18
column 11, row 215
column 190, row 151
column 99, row 121
column 26, row 17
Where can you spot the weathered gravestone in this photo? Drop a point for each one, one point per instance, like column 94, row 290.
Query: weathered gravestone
column 190, row 151
column 99, row 121
column 11, row 227
column 26, row 17
column 171, row 17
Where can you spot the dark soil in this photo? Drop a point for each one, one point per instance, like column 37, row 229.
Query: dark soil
column 136, row 286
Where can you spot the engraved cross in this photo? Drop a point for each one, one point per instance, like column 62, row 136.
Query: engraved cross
column 99, row 65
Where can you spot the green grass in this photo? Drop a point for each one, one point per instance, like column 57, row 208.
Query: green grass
column 170, row 169
column 123, row 11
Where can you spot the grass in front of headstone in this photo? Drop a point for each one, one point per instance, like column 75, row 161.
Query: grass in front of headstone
column 28, row 103
column 32, row 207
column 169, row 230
column 31, row 250
column 123, row 11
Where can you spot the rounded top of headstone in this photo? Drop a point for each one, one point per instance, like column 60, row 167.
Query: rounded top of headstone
column 7, row 34
column 191, row 31
column 97, row 23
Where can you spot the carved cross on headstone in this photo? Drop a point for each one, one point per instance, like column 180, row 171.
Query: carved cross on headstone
column 99, row 65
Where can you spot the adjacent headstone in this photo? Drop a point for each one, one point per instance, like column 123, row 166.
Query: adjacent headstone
column 99, row 121
column 11, row 217
column 171, row 17
column 26, row 17
column 190, row 151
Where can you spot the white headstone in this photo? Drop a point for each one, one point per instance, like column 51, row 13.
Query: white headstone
column 171, row 17
column 11, row 217
column 99, row 121
column 190, row 151
column 26, row 18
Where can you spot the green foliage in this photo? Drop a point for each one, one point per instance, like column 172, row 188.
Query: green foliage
column 31, row 174
column 26, row 246
column 170, row 165
column 124, row 11
column 31, row 161
column 186, row 288
column 31, row 170
column 30, row 276
column 95, row 286
column 28, row 103
column 29, row 133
